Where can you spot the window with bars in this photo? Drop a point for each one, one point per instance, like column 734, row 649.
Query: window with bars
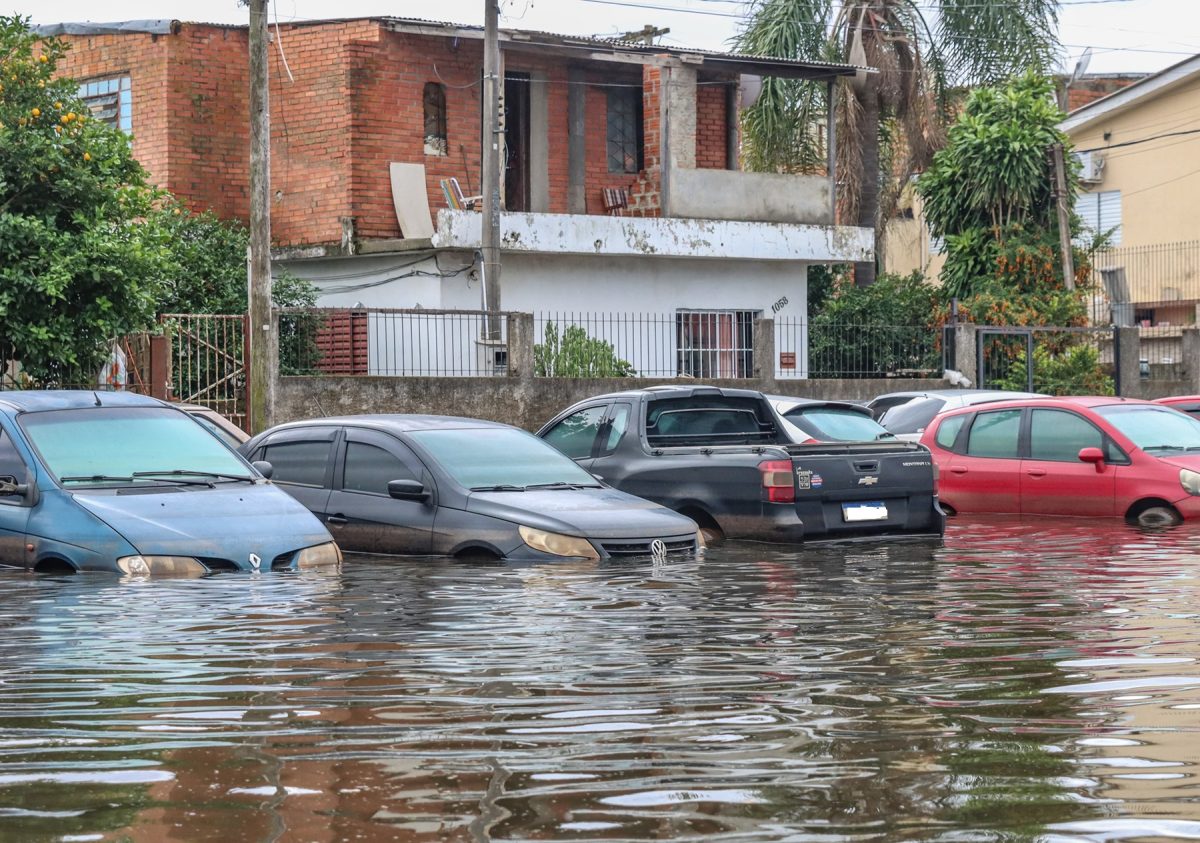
column 715, row 343
column 435, row 119
column 625, row 129
column 110, row 101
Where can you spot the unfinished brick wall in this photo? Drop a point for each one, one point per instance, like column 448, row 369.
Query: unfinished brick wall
column 645, row 198
column 710, row 125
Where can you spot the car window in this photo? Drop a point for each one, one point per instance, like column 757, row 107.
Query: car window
column 1156, row 430
column 217, row 431
column 948, row 431
column 576, row 434
column 483, row 457
column 369, row 468
column 995, row 434
column 1059, row 435
column 618, row 421
column 302, row 462
column 12, row 467
column 835, row 424
column 912, row 417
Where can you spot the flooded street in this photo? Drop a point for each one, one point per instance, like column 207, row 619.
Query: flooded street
column 1027, row 679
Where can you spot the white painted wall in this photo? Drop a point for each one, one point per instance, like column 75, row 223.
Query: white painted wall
column 630, row 301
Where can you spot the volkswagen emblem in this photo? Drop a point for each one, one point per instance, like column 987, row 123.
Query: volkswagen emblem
column 255, row 561
column 658, row 550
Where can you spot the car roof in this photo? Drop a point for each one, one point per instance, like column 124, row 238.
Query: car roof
column 34, row 400
column 672, row 391
column 951, row 393
column 397, row 422
column 1086, row 401
column 792, row 403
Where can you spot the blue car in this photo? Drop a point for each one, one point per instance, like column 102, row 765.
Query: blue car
column 108, row 481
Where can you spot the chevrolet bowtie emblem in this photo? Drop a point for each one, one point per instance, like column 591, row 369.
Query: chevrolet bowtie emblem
column 869, row 480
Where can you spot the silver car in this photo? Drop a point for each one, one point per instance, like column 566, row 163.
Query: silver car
column 907, row 414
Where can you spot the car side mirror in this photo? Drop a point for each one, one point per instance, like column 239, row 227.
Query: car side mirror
column 407, row 490
column 264, row 468
column 1093, row 455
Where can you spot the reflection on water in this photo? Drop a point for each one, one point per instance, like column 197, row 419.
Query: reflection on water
column 1027, row 680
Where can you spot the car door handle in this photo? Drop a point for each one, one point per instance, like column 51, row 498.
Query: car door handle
column 958, row 469
column 337, row 520
column 1036, row 472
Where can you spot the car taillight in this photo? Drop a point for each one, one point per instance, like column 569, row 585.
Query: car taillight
column 778, row 485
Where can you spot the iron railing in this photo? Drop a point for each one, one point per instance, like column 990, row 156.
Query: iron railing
column 828, row 350
column 390, row 342
column 1055, row 361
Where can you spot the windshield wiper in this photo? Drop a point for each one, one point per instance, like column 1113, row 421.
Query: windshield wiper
column 109, row 478
column 183, row 472
column 503, row 487
column 1163, row 448
column 563, row 485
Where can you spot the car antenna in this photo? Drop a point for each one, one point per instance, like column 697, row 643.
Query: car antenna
column 97, row 396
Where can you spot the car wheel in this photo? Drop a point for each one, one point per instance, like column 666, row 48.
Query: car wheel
column 1158, row 516
column 712, row 535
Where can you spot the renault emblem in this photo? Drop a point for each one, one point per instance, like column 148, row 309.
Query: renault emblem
column 658, row 550
column 255, row 560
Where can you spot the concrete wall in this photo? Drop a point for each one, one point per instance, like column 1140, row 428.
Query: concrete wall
column 524, row 402
column 754, row 197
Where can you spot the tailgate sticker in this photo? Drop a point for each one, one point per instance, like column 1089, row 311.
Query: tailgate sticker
column 803, row 479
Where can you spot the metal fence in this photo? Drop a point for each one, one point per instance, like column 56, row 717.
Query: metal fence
column 388, row 342
column 824, row 350
column 1056, row 361
column 127, row 371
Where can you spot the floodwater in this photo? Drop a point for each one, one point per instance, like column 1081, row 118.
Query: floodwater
column 1023, row 680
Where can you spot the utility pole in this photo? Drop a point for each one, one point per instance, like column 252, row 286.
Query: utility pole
column 263, row 351
column 491, row 166
column 1064, row 215
column 646, row 34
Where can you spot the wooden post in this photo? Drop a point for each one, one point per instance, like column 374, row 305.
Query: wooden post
column 263, row 350
column 491, row 166
column 1064, row 215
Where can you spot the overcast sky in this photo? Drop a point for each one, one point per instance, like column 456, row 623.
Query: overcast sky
column 1125, row 35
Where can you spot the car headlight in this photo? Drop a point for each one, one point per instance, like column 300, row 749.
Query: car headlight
column 1190, row 481
column 319, row 556
column 160, row 566
column 557, row 544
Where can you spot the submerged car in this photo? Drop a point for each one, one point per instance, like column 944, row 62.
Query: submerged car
column 1189, row 404
column 439, row 485
column 216, row 424
column 110, row 481
column 813, row 420
column 1083, row 456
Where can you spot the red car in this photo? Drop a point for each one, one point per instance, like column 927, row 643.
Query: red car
column 1189, row 404
column 1069, row 456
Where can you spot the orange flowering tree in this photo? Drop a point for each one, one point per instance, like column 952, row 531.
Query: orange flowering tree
column 82, row 248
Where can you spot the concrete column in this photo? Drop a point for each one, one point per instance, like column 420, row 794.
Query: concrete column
column 965, row 352
column 520, row 345
column 1127, row 352
column 764, row 353
column 539, row 143
column 576, row 141
column 1191, row 358
column 680, row 99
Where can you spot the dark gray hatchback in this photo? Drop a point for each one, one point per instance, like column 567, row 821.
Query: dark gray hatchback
column 439, row 485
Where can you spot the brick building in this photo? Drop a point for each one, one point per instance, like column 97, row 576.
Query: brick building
column 621, row 185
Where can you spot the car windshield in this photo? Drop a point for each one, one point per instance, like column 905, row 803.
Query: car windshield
column 114, row 445
column 1156, row 430
column 912, row 417
column 500, row 458
column 833, row 424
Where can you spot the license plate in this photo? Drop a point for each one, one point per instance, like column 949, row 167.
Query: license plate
column 868, row 511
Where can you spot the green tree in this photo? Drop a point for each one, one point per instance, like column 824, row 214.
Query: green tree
column 890, row 122
column 82, row 245
column 576, row 355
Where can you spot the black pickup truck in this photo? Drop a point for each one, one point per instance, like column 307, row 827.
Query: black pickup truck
column 721, row 457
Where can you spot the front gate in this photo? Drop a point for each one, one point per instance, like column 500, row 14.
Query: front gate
column 1054, row 360
column 208, row 362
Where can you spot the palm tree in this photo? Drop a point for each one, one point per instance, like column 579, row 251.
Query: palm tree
column 890, row 122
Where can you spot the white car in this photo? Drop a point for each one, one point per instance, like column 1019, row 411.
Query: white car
column 811, row 420
column 907, row 414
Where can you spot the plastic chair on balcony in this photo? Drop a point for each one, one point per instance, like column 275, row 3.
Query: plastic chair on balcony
column 454, row 196
column 615, row 200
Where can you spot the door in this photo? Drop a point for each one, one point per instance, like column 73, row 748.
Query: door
column 362, row 516
column 985, row 476
column 612, row 429
column 576, row 434
column 14, row 511
column 302, row 463
column 1053, row 480
column 516, row 142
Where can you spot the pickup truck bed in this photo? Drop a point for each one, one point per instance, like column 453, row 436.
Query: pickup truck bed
column 719, row 456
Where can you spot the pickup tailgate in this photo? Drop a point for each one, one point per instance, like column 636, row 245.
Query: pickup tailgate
column 852, row 489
